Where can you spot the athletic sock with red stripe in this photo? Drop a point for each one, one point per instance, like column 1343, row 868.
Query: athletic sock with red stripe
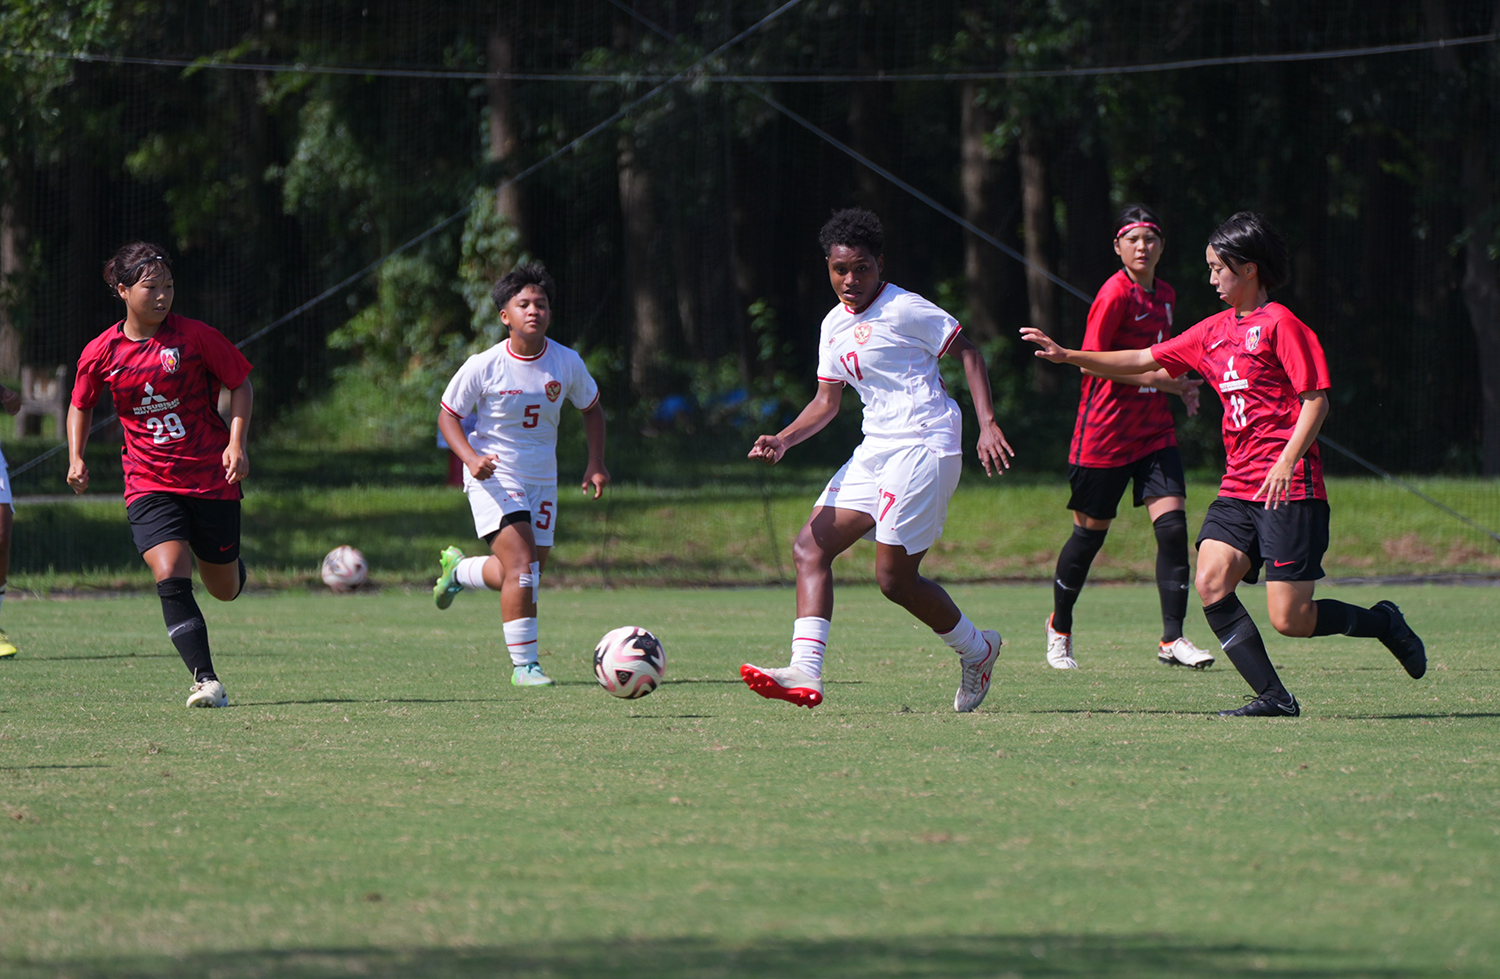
column 809, row 643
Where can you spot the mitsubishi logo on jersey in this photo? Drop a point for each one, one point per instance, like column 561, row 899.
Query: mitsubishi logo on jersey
column 553, row 390
column 861, row 333
column 1235, row 402
column 171, row 359
column 154, row 402
column 1232, row 379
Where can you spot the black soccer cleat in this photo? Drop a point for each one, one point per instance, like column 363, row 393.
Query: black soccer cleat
column 1265, row 706
column 1404, row 644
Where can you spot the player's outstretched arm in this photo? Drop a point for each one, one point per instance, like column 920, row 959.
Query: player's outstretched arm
column 1277, row 485
column 595, row 477
column 480, row 467
column 1184, row 387
column 813, row 419
column 1111, row 362
column 994, row 451
column 236, row 457
column 79, row 423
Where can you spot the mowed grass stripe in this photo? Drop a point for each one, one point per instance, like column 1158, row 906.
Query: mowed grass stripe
column 379, row 799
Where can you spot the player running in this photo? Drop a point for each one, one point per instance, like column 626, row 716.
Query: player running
column 183, row 464
column 510, row 463
column 895, row 489
column 1272, row 378
column 1124, row 434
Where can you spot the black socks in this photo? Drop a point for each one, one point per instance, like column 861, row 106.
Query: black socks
column 185, row 626
column 1072, row 571
column 1172, row 571
column 1343, row 619
column 1246, row 650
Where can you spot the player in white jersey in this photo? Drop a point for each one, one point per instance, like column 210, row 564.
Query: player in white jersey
column 885, row 342
column 510, row 462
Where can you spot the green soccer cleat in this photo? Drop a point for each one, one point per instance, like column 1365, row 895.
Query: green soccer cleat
column 530, row 675
column 447, row 585
column 7, row 648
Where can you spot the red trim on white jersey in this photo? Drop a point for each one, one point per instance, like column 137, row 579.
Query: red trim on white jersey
column 868, row 304
column 592, row 403
column 949, row 342
column 451, row 412
column 519, row 357
column 831, row 380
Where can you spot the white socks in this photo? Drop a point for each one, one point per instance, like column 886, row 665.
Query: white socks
column 966, row 640
column 809, row 641
column 520, row 639
column 470, row 573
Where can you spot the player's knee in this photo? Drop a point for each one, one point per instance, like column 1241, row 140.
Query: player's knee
column 895, row 586
column 806, row 553
column 1294, row 622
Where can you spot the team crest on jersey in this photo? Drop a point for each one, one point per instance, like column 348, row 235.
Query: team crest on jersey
column 1252, row 339
column 861, row 333
column 554, row 390
column 171, row 359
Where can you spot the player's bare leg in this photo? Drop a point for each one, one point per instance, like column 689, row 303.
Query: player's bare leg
column 1294, row 613
column 829, row 532
column 899, row 576
column 171, row 564
column 514, row 572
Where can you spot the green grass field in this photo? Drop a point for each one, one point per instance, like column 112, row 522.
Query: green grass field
column 378, row 801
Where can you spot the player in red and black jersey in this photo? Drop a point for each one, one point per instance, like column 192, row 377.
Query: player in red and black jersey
column 183, row 464
column 1272, row 508
column 1123, row 434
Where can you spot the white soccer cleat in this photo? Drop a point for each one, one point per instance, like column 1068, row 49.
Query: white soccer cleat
column 1182, row 652
column 1059, row 649
column 786, row 683
column 974, row 678
column 208, row 693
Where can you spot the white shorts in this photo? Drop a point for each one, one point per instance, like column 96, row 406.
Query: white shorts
column 499, row 496
column 906, row 488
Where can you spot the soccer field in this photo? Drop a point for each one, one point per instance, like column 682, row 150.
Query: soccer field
column 378, row 800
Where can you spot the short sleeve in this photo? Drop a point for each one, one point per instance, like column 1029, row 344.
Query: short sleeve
column 1182, row 353
column 1105, row 314
column 88, row 382
column 1301, row 355
column 461, row 396
column 828, row 368
column 222, row 358
column 928, row 326
column 583, row 391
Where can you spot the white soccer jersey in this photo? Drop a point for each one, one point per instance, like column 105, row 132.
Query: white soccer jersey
column 519, row 400
column 889, row 353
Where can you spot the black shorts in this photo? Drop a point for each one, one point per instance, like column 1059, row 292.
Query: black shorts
column 210, row 527
column 1097, row 492
column 1290, row 540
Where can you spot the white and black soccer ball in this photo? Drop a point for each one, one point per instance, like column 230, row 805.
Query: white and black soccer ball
column 629, row 662
column 345, row 569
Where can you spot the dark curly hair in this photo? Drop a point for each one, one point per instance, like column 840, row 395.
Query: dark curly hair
column 853, row 227
column 518, row 278
column 132, row 262
column 1249, row 237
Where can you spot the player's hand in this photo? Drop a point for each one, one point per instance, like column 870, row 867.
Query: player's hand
column 994, row 452
column 1051, row 350
column 768, row 447
column 236, row 463
column 483, row 467
column 1277, row 486
column 1189, row 393
column 78, row 476
column 596, row 477
column 10, row 400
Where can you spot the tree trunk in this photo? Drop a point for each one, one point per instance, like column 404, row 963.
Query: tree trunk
column 648, row 333
column 980, row 179
column 1036, row 213
column 503, row 139
column 1087, row 256
column 15, row 208
column 1481, row 289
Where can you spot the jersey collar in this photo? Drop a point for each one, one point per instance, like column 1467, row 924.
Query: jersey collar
column 545, row 344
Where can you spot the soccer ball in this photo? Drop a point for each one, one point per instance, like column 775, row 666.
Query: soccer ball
column 344, row 569
column 629, row 662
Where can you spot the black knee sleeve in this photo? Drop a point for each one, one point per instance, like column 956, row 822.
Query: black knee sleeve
column 1242, row 642
column 185, row 625
column 1072, row 571
column 1172, row 571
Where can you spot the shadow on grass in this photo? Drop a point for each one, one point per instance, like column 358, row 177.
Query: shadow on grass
column 1044, row 957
